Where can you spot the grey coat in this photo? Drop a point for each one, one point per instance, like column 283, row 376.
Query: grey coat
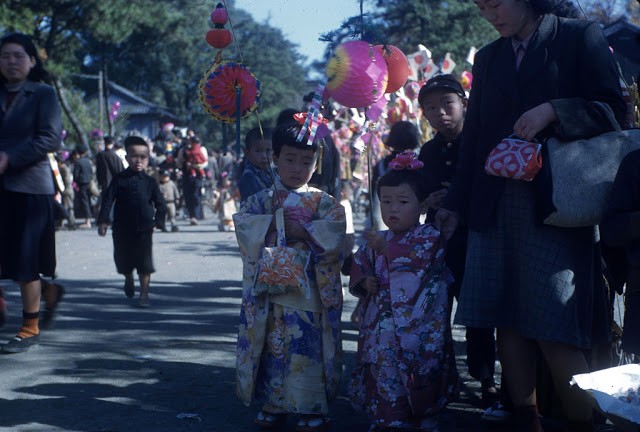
column 567, row 63
column 29, row 130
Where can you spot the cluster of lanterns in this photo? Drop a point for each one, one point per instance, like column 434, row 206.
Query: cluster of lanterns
column 219, row 37
column 359, row 74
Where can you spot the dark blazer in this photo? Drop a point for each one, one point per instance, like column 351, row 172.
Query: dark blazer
column 567, row 63
column 108, row 164
column 139, row 205
column 29, row 130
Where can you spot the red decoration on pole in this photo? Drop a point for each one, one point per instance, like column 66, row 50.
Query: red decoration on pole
column 219, row 38
column 219, row 16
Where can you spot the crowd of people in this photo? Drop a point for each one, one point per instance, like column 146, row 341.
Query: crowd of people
column 531, row 295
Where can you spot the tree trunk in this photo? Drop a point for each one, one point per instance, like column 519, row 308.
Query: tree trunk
column 69, row 112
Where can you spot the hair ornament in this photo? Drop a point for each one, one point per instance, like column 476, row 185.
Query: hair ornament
column 301, row 118
column 406, row 160
column 311, row 120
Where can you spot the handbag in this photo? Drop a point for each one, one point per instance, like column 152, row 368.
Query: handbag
column 282, row 269
column 515, row 159
column 583, row 171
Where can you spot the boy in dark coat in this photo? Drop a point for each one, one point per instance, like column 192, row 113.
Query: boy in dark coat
column 139, row 206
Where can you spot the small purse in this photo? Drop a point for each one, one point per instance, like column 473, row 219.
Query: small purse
column 282, row 269
column 515, row 159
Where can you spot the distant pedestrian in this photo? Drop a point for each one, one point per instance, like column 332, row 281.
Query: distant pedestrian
column 405, row 371
column 289, row 343
column 139, row 207
column 82, row 178
column 193, row 159
column 256, row 174
column 108, row 164
column 171, row 196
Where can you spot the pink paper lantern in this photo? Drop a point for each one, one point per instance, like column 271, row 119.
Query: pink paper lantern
column 357, row 75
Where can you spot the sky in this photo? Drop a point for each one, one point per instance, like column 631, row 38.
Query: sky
column 303, row 21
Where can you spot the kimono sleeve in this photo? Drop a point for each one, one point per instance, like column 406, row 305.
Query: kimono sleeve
column 328, row 229
column 361, row 269
column 252, row 224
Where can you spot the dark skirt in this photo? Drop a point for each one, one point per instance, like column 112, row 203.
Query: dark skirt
column 27, row 236
column 542, row 281
column 132, row 250
column 82, row 204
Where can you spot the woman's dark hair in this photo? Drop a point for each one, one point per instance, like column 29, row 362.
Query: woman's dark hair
column 561, row 8
column 403, row 136
column 38, row 72
column 286, row 134
column 413, row 178
column 255, row 135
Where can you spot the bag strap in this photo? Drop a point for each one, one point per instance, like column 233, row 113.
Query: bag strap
column 281, row 240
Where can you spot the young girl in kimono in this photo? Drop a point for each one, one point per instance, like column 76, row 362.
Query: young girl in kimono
column 406, row 370
column 289, row 354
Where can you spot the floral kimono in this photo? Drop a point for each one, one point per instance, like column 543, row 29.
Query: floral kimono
column 289, row 354
column 406, row 367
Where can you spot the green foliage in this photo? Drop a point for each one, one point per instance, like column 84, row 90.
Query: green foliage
column 440, row 25
column 156, row 49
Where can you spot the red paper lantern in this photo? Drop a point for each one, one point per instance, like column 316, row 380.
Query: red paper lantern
column 356, row 75
column 219, row 16
column 397, row 65
column 219, row 38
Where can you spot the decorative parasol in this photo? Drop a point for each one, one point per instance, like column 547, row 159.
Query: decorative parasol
column 221, row 87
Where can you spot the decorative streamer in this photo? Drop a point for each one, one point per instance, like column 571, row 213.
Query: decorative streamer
column 311, row 122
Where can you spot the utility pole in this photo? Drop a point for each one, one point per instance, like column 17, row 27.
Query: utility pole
column 101, row 100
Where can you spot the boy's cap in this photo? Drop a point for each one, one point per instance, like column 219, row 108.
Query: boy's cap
column 164, row 173
column 441, row 82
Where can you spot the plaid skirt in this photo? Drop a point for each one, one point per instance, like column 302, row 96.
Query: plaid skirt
column 542, row 281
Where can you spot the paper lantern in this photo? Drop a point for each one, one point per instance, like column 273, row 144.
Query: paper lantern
column 219, row 38
column 221, row 85
column 219, row 16
column 397, row 65
column 356, row 74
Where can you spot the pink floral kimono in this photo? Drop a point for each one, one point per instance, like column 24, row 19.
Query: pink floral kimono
column 406, row 367
column 289, row 353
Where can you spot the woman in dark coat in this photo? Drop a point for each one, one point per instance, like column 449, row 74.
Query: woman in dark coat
column 30, row 127
column 539, row 285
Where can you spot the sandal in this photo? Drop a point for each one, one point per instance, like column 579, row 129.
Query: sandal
column 269, row 420
column 312, row 423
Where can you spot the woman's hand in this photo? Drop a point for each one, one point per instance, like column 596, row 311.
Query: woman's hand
column 102, row 229
column 447, row 222
column 371, row 284
column 4, row 162
column 435, row 199
column 535, row 120
column 376, row 242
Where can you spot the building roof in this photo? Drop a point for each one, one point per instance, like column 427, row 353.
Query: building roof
column 135, row 105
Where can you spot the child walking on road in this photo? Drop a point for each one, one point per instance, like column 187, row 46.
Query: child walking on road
column 406, row 371
column 289, row 355
column 139, row 207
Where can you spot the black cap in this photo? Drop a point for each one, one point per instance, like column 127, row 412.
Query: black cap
column 441, row 82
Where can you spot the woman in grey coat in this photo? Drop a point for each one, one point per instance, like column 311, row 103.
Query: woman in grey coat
column 30, row 127
column 539, row 285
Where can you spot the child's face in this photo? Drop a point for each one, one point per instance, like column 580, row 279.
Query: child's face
column 138, row 157
column 445, row 110
column 295, row 166
column 259, row 153
column 164, row 178
column 400, row 207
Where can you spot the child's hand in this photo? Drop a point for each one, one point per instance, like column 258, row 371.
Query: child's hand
column 371, row 284
column 294, row 231
column 102, row 229
column 376, row 242
column 435, row 199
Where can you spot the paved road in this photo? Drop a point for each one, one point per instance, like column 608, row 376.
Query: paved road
column 109, row 366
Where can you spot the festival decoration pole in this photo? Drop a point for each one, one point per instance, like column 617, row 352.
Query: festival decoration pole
column 238, row 116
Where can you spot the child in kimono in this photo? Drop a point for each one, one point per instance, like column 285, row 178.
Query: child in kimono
column 406, row 370
column 289, row 353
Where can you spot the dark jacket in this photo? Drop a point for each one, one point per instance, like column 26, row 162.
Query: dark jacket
column 253, row 180
column 82, row 171
column 28, row 131
column 567, row 63
column 139, row 205
column 108, row 164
